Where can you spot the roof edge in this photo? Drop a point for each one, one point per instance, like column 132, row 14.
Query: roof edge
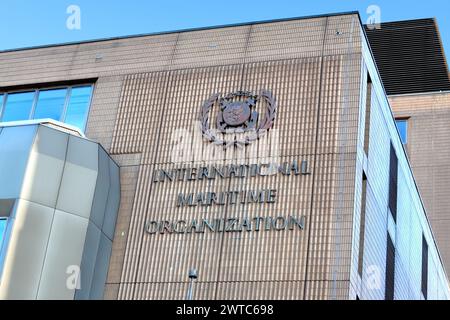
column 183, row 30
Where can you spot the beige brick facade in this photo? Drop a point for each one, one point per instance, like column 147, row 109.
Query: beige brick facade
column 428, row 150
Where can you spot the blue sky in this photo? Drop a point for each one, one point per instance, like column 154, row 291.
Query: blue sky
column 27, row 23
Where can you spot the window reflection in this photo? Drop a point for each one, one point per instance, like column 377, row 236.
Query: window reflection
column 1, row 103
column 3, row 222
column 18, row 106
column 50, row 104
column 68, row 104
column 2, row 230
column 402, row 126
column 78, row 107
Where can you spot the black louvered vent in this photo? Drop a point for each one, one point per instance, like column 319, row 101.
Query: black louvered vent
column 409, row 56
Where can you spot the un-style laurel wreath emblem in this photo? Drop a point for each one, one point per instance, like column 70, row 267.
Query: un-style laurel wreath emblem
column 237, row 116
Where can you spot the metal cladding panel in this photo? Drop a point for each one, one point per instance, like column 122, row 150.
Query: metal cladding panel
column 27, row 246
column 15, row 146
column 88, row 261
column 113, row 201
column 102, row 189
column 79, row 178
column 45, row 167
column 46, row 249
column 101, row 268
column 64, row 252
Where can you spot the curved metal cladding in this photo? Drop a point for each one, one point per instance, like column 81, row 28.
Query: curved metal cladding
column 61, row 198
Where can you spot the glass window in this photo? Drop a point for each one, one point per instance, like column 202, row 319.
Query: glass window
column 390, row 270
column 69, row 105
column 402, row 126
column 362, row 223
column 18, row 106
column 393, row 188
column 2, row 230
column 50, row 104
column 424, row 267
column 78, row 107
column 1, row 104
column 3, row 222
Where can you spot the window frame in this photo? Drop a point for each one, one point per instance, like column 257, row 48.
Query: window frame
column 69, row 94
column 36, row 100
column 1, row 239
column 2, row 236
column 37, row 90
column 5, row 101
column 405, row 119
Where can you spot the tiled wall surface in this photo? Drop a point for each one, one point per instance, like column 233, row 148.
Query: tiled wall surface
column 429, row 153
column 306, row 78
column 411, row 223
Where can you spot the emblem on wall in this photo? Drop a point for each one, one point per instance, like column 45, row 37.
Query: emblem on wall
column 237, row 117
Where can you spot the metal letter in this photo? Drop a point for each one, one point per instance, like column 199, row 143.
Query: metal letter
column 177, row 224
column 184, row 200
column 271, row 195
column 293, row 221
column 275, row 223
column 151, row 227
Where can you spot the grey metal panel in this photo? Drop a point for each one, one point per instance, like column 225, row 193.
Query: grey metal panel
column 112, row 207
column 65, row 249
column 88, row 261
column 101, row 268
column 55, row 169
column 101, row 189
column 15, row 145
column 83, row 152
column 26, row 251
column 45, row 166
column 79, row 177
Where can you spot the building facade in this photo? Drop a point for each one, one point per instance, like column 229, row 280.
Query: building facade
column 414, row 70
column 264, row 155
